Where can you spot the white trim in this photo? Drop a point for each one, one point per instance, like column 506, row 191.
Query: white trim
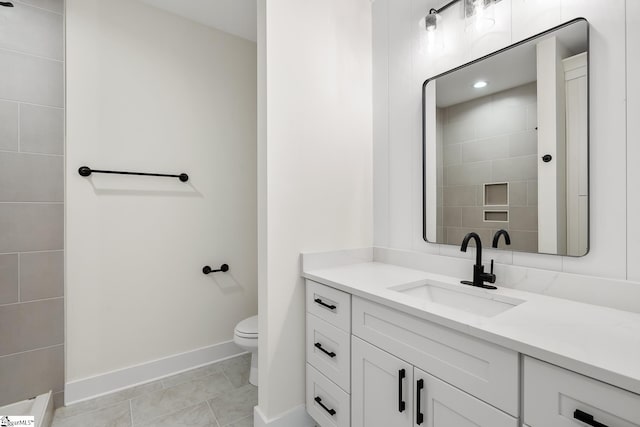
column 109, row 382
column 296, row 417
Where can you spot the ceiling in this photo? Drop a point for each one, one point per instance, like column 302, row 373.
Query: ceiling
column 238, row 17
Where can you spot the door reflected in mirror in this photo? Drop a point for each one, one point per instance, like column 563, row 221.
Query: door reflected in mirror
column 505, row 146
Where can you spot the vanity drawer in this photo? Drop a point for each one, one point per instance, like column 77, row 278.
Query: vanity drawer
column 329, row 351
column 552, row 395
column 486, row 371
column 329, row 304
column 327, row 404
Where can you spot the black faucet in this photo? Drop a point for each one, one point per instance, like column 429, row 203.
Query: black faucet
column 496, row 237
column 479, row 276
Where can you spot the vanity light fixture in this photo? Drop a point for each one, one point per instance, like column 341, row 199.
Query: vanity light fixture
column 478, row 14
column 480, row 84
column 432, row 20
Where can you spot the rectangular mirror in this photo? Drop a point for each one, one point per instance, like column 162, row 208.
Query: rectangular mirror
column 505, row 146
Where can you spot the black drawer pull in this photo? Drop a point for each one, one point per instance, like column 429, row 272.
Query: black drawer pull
column 587, row 418
column 401, row 403
column 331, row 412
column 322, row 303
column 419, row 414
column 328, row 353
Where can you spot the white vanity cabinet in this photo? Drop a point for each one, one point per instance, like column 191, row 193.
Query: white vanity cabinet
column 369, row 365
column 328, row 348
column 396, row 364
column 557, row 397
column 388, row 391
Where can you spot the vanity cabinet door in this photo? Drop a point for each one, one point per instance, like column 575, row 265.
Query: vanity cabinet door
column 438, row 404
column 381, row 392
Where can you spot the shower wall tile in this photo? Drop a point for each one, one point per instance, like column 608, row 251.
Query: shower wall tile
column 30, row 79
column 458, row 131
column 523, row 143
column 486, row 149
column 41, row 275
column 452, row 155
column 452, row 217
column 474, row 218
column 31, row 178
column 31, row 199
column 464, row 195
column 517, row 168
column 41, row 129
column 524, row 218
column 31, row 227
column 25, row 375
column 56, row 6
column 34, row 31
column 32, row 325
column 532, row 193
column 468, row 174
column 8, row 126
column 518, row 193
column 455, row 235
column 512, row 119
column 8, row 278
column 526, row 241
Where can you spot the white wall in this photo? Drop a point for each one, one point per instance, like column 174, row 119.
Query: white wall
column 400, row 70
column 149, row 91
column 633, row 139
column 316, row 158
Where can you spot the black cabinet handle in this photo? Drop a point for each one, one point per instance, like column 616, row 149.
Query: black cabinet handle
column 587, row 418
column 328, row 353
column 401, row 403
column 322, row 303
column 419, row 414
column 331, row 412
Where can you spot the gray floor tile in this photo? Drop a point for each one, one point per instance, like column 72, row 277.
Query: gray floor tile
column 235, row 405
column 169, row 400
column 193, row 374
column 113, row 416
column 108, row 400
column 245, row 422
column 195, row 416
column 237, row 369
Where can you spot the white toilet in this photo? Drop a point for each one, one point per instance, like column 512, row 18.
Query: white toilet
column 245, row 336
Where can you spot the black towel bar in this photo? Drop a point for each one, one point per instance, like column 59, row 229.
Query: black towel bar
column 206, row 269
column 87, row 171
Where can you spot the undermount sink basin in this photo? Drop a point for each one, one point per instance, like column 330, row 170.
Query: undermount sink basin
column 470, row 300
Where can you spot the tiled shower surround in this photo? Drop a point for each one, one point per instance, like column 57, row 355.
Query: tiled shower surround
column 31, row 199
column 492, row 139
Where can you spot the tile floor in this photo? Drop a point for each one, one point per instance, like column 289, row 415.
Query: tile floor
column 217, row 395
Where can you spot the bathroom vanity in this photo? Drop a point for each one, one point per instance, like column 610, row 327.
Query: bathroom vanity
column 393, row 346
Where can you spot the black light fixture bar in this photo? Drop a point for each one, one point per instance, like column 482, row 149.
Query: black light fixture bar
column 443, row 8
column 447, row 6
column 6, row 4
column 87, row 171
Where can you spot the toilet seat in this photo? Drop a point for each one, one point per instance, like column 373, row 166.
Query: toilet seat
column 248, row 328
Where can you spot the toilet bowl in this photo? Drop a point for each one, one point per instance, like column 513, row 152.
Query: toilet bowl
column 245, row 336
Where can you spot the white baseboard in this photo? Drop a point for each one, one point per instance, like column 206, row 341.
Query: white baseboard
column 296, row 417
column 91, row 387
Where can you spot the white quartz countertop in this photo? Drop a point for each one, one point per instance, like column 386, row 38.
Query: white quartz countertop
column 600, row 342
